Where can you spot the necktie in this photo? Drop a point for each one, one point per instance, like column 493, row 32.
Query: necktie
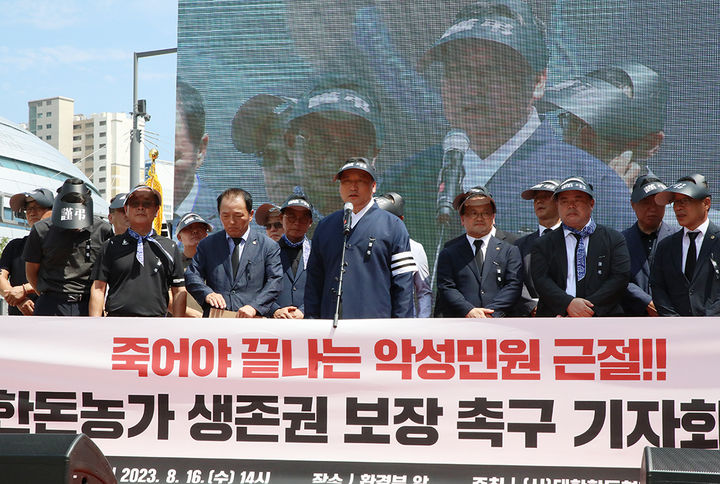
column 580, row 247
column 478, row 255
column 236, row 254
column 691, row 256
column 139, row 252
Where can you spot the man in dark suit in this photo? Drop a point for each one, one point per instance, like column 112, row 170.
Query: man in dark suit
column 479, row 275
column 581, row 269
column 685, row 274
column 545, row 208
column 238, row 268
column 297, row 218
column 642, row 239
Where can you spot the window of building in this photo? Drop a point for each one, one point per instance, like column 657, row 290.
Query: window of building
column 48, row 114
column 39, row 115
column 102, row 145
column 48, row 126
column 48, row 137
column 48, row 103
column 76, row 149
column 101, row 180
column 76, row 126
column 89, row 125
column 76, row 138
column 76, row 160
column 102, row 157
column 103, row 123
column 103, row 134
column 102, row 167
column 89, row 135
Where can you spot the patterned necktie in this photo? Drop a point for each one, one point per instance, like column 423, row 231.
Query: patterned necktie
column 580, row 248
column 691, row 256
column 236, row 254
column 478, row 255
column 139, row 252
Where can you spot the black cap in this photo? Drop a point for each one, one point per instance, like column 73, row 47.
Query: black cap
column 297, row 201
column 42, row 197
column 645, row 186
column 118, row 201
column 189, row 219
column 575, row 183
column 474, row 192
column 73, row 206
column 543, row 186
column 263, row 212
column 357, row 164
column 392, row 202
column 694, row 186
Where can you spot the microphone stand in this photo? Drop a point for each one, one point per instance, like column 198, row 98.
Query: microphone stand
column 343, row 264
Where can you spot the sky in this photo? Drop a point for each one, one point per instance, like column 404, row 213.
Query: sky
column 83, row 50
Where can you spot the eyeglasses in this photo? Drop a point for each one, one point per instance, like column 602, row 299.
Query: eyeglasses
column 143, row 204
column 274, row 225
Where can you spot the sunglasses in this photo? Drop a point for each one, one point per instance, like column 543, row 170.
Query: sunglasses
column 274, row 225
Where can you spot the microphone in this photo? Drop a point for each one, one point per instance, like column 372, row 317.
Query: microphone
column 455, row 145
column 347, row 217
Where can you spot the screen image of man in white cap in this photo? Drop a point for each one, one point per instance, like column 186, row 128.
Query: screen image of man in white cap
column 479, row 275
column 139, row 268
column 685, row 274
column 378, row 279
column 494, row 60
column 268, row 215
column 61, row 250
column 642, row 240
column 33, row 206
column 294, row 254
column 582, row 268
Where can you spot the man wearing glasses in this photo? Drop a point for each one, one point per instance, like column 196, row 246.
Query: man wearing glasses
column 479, row 275
column 268, row 215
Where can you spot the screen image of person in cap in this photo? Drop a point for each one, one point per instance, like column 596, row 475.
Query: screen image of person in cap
column 139, row 268
column 479, row 275
column 116, row 214
column 685, row 273
column 582, row 268
column 301, row 142
column 617, row 114
column 294, row 254
column 494, row 60
column 60, row 252
column 642, row 240
column 20, row 295
column 379, row 264
column 394, row 203
column 191, row 142
column 191, row 229
column 268, row 215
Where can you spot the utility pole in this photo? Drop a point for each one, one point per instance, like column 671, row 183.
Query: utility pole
column 139, row 110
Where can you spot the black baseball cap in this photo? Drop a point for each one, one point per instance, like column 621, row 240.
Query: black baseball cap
column 297, row 201
column 574, row 183
column 361, row 164
column 42, row 197
column 694, row 186
column 118, row 201
column 645, row 186
column 543, row 186
column 189, row 219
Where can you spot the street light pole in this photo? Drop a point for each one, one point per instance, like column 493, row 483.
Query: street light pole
column 136, row 135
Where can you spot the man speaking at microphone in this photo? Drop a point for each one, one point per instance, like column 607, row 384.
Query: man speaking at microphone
column 378, row 278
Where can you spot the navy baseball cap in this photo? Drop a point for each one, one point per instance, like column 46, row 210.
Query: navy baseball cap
column 392, row 202
column 264, row 211
column 474, row 192
column 645, row 186
column 574, row 183
column 543, row 186
column 297, row 201
column 189, row 219
column 694, row 186
column 118, row 201
column 357, row 164
column 625, row 101
column 507, row 22
column 42, row 197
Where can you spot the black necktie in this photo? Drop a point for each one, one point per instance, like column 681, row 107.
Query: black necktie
column 478, row 255
column 579, row 286
column 691, row 256
column 236, row 255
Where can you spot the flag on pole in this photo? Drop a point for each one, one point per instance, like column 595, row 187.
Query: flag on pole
column 153, row 181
